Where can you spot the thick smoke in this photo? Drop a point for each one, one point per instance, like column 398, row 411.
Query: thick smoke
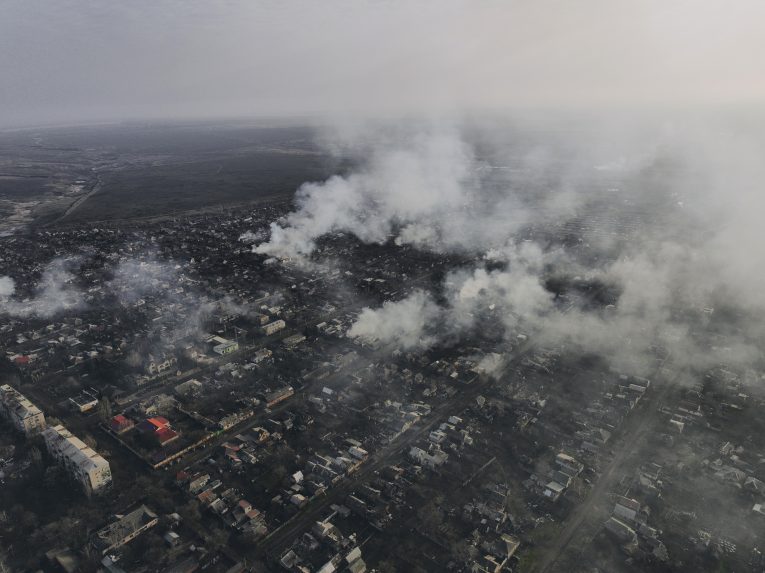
column 645, row 236
column 426, row 185
column 406, row 324
column 413, row 190
column 659, row 305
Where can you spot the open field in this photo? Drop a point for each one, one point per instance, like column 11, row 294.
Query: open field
column 103, row 173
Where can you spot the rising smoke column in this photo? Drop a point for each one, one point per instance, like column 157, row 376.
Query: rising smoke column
column 413, row 189
column 408, row 323
column 669, row 221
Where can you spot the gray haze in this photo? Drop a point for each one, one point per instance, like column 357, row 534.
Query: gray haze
column 674, row 207
column 425, row 182
column 69, row 61
column 54, row 293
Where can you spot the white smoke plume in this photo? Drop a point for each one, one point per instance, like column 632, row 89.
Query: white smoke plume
column 425, row 185
column 7, row 287
column 664, row 217
column 657, row 292
column 54, row 293
column 492, row 364
column 406, row 324
column 414, row 190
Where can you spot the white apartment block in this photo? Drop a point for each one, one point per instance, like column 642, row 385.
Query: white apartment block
column 81, row 461
column 24, row 415
column 273, row 327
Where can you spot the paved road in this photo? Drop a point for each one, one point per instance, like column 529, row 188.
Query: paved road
column 77, row 203
column 638, row 424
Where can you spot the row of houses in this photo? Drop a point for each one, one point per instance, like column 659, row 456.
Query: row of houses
column 235, row 511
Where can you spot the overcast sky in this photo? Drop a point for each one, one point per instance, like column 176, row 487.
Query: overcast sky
column 85, row 60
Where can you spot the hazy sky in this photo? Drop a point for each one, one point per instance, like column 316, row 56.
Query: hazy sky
column 73, row 60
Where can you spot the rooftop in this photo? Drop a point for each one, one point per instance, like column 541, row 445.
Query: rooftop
column 116, row 532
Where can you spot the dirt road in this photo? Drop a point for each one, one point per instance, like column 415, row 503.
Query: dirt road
column 639, row 423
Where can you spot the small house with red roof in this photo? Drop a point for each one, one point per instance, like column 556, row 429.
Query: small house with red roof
column 158, row 422
column 120, row 424
column 165, row 435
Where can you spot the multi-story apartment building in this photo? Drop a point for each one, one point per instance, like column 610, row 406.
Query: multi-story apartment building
column 81, row 461
column 24, row 415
